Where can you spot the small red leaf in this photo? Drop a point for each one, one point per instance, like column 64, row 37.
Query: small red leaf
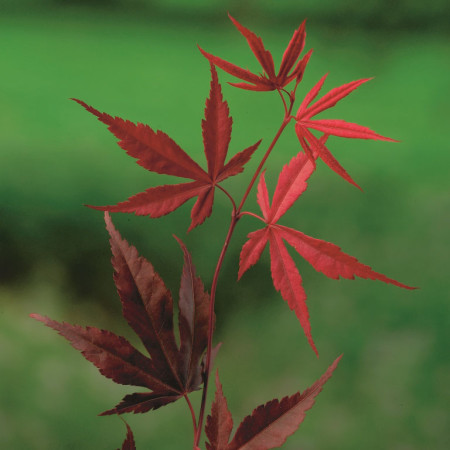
column 220, row 423
column 268, row 80
column 271, row 424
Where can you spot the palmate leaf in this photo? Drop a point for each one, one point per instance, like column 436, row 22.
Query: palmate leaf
column 323, row 256
column 172, row 370
column 268, row 80
column 339, row 128
column 157, row 152
column 268, row 426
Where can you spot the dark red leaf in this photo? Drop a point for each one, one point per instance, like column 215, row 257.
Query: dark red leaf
column 271, row 424
column 268, row 426
column 220, row 423
column 173, row 371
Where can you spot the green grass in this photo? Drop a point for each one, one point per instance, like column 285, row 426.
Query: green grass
column 390, row 389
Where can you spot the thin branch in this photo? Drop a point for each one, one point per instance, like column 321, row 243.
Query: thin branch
column 234, row 219
column 194, row 421
column 286, row 113
column 248, row 213
column 283, row 125
column 229, row 196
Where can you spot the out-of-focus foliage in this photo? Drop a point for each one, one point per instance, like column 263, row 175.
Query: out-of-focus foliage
column 390, row 390
column 370, row 13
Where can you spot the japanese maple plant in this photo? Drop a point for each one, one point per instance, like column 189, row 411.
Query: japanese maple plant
column 180, row 362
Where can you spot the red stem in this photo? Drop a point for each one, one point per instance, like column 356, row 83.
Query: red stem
column 283, row 125
column 236, row 215
column 248, row 213
column 192, row 414
column 234, row 220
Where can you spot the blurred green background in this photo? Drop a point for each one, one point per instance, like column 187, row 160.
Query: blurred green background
column 138, row 59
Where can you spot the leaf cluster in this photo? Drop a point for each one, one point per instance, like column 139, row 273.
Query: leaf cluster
column 175, row 367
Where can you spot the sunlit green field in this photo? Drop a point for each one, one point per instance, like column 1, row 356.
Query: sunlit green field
column 391, row 389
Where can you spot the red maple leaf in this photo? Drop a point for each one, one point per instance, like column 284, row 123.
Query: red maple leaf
column 323, row 256
column 268, row 80
column 268, row 426
column 157, row 152
column 340, row 128
column 173, row 370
